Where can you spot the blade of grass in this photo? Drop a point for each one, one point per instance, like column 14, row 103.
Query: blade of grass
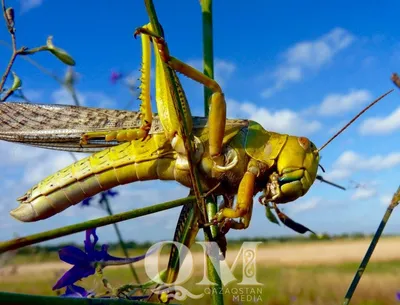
column 187, row 135
column 210, row 233
column 95, row 223
column 360, row 271
column 16, row 299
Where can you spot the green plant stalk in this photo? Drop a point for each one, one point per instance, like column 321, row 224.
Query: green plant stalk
column 208, row 49
column 185, row 233
column 121, row 240
column 213, row 256
column 208, row 67
column 186, row 135
column 210, row 233
column 90, row 224
column 17, row 298
column 360, row 271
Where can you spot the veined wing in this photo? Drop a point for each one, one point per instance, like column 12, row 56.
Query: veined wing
column 60, row 127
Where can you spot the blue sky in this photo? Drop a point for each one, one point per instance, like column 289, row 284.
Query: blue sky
column 304, row 69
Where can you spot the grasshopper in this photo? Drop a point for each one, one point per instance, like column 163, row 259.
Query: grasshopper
column 234, row 156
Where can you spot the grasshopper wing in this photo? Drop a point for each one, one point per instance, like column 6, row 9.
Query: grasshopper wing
column 61, row 127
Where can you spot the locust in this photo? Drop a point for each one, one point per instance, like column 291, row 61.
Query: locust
column 234, row 156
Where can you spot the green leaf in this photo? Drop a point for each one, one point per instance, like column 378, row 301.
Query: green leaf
column 271, row 217
column 17, row 83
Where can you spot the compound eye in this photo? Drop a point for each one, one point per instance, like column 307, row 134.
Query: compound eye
column 304, row 142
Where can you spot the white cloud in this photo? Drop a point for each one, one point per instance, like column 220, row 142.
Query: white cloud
column 27, row 5
column 49, row 163
column 36, row 163
column 337, row 104
column 34, row 96
column 386, row 199
column 309, row 204
column 86, row 98
column 63, row 97
column 381, row 125
column 17, row 154
column 363, row 193
column 350, row 162
column 307, row 56
column 337, row 174
column 285, row 120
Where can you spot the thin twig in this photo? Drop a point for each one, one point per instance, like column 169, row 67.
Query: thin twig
column 6, row 95
column 15, row 52
column 36, row 64
column 360, row 271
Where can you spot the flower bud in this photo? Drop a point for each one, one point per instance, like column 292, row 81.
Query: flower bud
column 59, row 53
column 10, row 17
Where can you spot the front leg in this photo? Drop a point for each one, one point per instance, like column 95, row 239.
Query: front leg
column 217, row 116
column 244, row 204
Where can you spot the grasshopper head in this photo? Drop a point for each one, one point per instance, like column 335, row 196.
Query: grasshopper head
column 297, row 166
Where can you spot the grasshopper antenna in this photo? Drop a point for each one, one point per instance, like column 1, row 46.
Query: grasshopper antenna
column 352, row 120
column 320, row 178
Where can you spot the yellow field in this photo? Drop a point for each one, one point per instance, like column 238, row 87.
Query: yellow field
column 293, row 274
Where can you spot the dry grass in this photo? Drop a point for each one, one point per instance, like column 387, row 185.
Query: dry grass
column 292, row 274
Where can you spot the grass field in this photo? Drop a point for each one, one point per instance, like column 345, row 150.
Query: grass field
column 309, row 273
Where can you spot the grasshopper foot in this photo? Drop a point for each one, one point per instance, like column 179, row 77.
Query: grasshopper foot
column 162, row 45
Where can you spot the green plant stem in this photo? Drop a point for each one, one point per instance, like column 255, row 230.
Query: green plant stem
column 16, row 299
column 371, row 248
column 121, row 241
column 208, row 49
column 210, row 233
column 90, row 224
column 186, row 134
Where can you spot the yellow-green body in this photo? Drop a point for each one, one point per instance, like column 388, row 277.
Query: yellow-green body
column 231, row 156
column 155, row 159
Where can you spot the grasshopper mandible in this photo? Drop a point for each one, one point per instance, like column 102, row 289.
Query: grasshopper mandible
column 234, row 157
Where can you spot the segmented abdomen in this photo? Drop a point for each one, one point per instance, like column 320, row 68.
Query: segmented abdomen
column 125, row 163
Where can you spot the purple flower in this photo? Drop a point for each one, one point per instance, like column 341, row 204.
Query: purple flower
column 104, row 195
column 86, row 202
column 115, row 76
column 85, row 263
column 74, row 291
column 398, row 296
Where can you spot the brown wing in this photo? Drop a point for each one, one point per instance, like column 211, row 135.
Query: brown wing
column 61, row 126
